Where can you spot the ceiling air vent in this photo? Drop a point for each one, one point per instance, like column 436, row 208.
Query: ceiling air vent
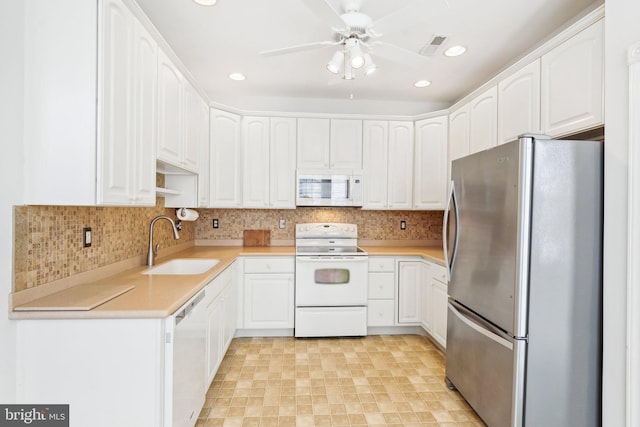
column 432, row 47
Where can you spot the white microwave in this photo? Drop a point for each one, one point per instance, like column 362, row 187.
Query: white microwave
column 323, row 188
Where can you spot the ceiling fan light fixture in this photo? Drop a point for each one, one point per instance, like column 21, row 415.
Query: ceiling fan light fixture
column 422, row 83
column 455, row 51
column 356, row 56
column 369, row 66
column 336, row 62
column 237, row 77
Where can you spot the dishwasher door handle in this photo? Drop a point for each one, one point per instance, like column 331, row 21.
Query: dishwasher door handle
column 185, row 311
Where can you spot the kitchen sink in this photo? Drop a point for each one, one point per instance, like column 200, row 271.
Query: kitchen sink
column 183, row 266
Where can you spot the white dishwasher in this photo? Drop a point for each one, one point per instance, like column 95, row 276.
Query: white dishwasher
column 185, row 363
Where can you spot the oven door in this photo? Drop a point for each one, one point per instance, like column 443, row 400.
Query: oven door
column 329, row 281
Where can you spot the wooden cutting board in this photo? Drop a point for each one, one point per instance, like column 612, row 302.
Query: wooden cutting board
column 256, row 238
column 77, row 298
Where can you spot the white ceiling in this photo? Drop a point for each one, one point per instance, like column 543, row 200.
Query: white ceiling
column 228, row 37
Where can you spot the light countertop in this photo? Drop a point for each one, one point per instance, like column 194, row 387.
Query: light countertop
column 158, row 296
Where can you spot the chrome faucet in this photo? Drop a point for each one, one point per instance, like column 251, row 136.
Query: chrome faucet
column 153, row 251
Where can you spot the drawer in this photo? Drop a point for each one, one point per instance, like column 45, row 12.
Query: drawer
column 269, row 265
column 381, row 285
column 439, row 273
column 380, row 313
column 378, row 263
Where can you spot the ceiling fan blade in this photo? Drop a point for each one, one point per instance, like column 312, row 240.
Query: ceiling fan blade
column 324, row 11
column 298, row 48
column 398, row 54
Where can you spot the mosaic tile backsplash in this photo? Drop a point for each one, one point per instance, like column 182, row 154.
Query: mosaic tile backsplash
column 372, row 225
column 48, row 244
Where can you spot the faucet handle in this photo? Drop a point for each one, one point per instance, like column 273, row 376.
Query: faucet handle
column 155, row 249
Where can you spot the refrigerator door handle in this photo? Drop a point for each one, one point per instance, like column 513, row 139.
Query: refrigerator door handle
column 478, row 328
column 452, row 205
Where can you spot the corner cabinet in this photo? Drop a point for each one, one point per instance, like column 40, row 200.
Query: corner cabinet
column 225, row 181
column 572, row 83
column 430, row 173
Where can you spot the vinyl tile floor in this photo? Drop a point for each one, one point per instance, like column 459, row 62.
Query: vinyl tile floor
column 393, row 380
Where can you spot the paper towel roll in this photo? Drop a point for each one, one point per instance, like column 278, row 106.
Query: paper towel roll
column 185, row 214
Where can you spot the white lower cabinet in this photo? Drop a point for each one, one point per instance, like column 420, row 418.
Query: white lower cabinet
column 409, row 290
column 434, row 305
column 268, row 293
column 381, row 302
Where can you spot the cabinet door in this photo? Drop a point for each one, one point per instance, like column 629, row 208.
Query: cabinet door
column 282, row 165
column 255, row 140
column 230, row 314
column 268, row 301
column 313, row 143
column 483, row 121
column 375, row 169
column 426, row 303
column 116, row 140
column 400, row 177
column 439, row 312
column 409, row 287
column 225, row 157
column 459, row 133
column 203, row 173
column 169, row 111
column 430, row 177
column 572, row 83
column 214, row 338
column 146, row 114
column 192, row 128
column 519, row 103
column 346, row 144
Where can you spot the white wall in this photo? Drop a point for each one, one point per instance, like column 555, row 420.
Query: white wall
column 621, row 31
column 11, row 161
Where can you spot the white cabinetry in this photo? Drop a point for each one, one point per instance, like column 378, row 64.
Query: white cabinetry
column 426, row 304
column 225, row 160
column 268, row 293
column 430, row 174
column 519, row 103
column 439, row 298
column 380, row 310
column 90, row 89
column 269, row 147
column 572, row 83
column 483, row 121
column 459, row 133
column 400, row 172
column 410, row 279
column 203, row 175
column 329, row 144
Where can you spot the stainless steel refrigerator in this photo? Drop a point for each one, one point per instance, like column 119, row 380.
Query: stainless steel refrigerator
column 523, row 241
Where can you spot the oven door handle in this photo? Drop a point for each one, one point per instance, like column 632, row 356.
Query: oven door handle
column 331, row 258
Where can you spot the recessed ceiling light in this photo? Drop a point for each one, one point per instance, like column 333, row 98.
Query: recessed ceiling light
column 237, row 76
column 422, row 83
column 455, row 51
column 206, row 2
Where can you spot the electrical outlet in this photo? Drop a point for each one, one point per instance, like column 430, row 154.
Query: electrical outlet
column 403, row 225
column 282, row 223
column 216, row 224
column 86, row 237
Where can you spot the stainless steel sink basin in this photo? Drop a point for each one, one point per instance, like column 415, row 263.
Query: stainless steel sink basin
column 183, row 266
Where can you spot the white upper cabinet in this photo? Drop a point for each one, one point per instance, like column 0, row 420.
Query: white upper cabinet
column 203, row 175
column 329, row 144
column 483, row 121
column 225, row 160
column 169, row 111
column 346, row 144
column 430, row 174
column 313, row 143
column 572, row 83
column 459, row 132
column 375, row 163
column 519, row 103
column 193, row 126
column 400, row 172
column 255, row 138
column 282, row 166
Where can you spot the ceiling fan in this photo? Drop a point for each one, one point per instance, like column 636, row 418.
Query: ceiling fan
column 358, row 37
